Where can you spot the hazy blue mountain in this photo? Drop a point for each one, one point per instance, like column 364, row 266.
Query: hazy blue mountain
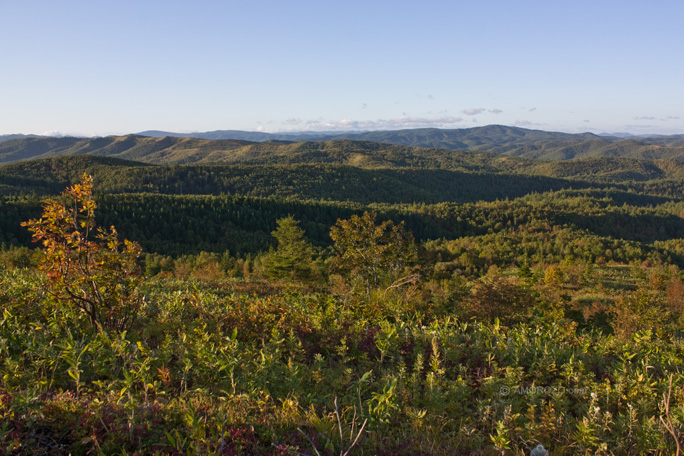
column 219, row 134
column 255, row 136
column 4, row 138
column 29, row 147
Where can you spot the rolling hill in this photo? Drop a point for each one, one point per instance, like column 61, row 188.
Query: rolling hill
column 231, row 146
column 497, row 139
column 475, row 177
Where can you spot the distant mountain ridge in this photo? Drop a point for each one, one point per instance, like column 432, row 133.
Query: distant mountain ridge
column 418, row 137
column 498, row 139
column 256, row 136
column 18, row 136
column 235, row 146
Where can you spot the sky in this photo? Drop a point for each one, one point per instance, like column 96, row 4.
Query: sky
column 101, row 68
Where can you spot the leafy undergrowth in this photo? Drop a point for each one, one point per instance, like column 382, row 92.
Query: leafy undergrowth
column 216, row 371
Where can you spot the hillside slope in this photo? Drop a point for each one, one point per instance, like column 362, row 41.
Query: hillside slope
column 499, row 139
column 491, row 179
column 347, row 148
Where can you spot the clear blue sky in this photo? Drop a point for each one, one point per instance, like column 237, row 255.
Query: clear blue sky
column 114, row 67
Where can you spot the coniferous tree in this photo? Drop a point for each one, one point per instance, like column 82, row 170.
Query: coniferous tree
column 293, row 258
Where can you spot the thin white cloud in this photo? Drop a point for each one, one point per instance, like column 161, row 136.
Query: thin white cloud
column 473, row 111
column 637, row 127
column 526, row 123
column 399, row 123
column 75, row 134
column 495, row 111
column 53, row 133
column 531, row 109
column 293, row 121
column 643, row 118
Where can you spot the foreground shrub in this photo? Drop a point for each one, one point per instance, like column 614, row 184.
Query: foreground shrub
column 88, row 268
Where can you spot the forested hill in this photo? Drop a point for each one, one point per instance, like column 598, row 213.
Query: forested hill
column 418, row 147
column 477, row 178
column 300, row 181
column 174, row 150
column 131, row 147
column 498, row 139
column 136, row 150
column 213, row 207
column 527, row 143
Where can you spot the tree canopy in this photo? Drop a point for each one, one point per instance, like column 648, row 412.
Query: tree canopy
column 373, row 253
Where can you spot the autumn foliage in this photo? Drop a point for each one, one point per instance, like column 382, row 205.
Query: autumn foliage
column 88, row 268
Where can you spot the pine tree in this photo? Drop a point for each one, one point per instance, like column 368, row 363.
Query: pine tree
column 293, row 258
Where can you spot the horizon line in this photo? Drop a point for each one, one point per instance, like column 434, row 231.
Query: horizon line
column 59, row 134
